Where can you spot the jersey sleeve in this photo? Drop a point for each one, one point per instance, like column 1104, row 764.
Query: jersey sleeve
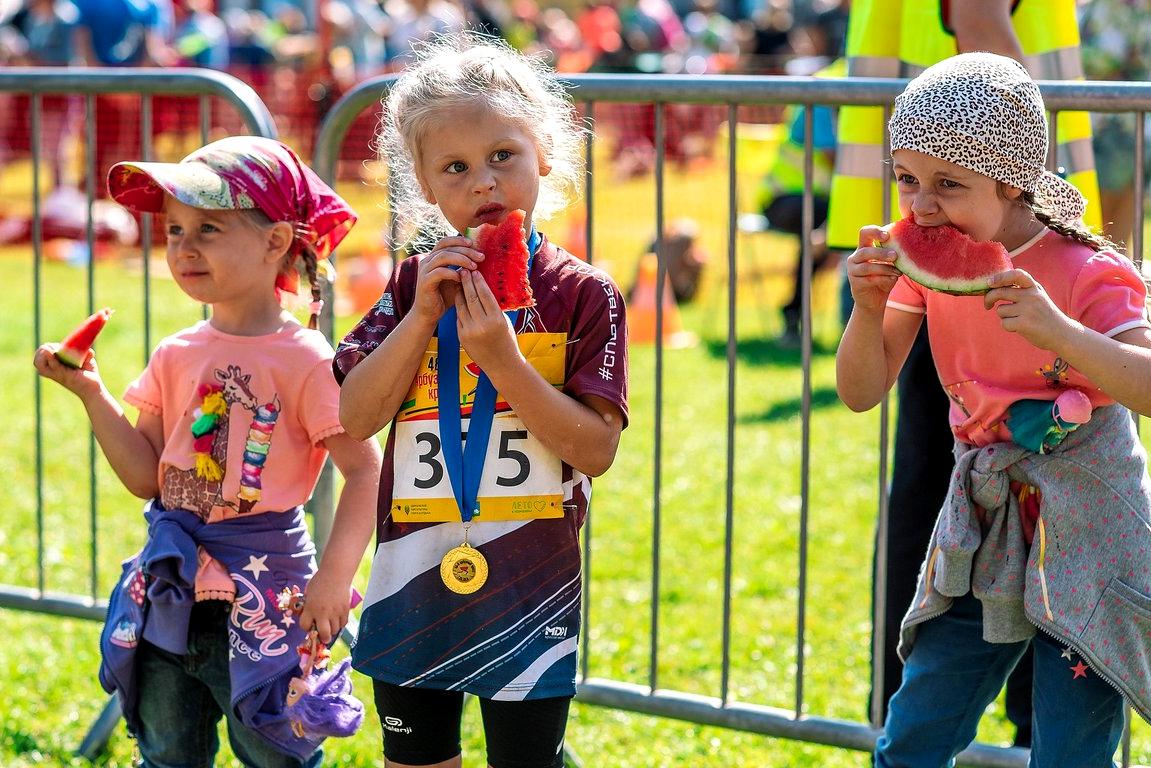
column 320, row 403
column 597, row 359
column 379, row 321
column 1109, row 295
column 146, row 392
column 906, row 296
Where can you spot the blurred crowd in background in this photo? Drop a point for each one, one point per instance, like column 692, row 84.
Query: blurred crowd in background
column 301, row 55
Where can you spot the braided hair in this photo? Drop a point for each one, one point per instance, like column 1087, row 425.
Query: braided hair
column 308, row 256
column 1080, row 233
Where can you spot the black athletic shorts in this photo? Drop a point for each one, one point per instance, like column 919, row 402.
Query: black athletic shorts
column 422, row 727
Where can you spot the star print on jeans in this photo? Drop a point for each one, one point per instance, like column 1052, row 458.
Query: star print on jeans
column 1080, row 670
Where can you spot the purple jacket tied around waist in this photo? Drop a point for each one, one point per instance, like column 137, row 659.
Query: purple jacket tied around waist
column 264, row 554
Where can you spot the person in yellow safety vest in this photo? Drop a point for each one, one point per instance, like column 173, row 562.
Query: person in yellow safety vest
column 901, row 38
column 780, row 197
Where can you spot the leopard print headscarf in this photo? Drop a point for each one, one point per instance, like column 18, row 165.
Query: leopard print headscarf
column 985, row 113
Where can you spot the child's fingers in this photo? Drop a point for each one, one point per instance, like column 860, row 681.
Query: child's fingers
column 487, row 299
column 460, row 258
column 872, row 234
column 868, row 254
column 466, row 299
column 455, row 241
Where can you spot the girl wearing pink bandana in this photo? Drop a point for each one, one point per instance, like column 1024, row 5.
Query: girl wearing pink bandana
column 237, row 415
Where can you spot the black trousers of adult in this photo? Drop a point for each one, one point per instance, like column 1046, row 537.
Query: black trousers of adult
column 785, row 214
column 920, row 477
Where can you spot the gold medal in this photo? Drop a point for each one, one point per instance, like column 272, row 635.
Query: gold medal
column 464, row 569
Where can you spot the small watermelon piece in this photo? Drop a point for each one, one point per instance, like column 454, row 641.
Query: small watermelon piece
column 505, row 264
column 944, row 259
column 76, row 345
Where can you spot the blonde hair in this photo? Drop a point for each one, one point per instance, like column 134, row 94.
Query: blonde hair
column 462, row 69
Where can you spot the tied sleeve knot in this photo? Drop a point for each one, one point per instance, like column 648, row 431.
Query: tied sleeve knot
column 981, row 539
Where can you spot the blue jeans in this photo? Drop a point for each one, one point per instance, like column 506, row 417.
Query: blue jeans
column 952, row 675
column 182, row 699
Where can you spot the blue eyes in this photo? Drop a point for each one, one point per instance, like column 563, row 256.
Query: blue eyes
column 175, row 230
column 499, row 156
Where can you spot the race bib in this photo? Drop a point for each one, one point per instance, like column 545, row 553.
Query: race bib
column 521, row 478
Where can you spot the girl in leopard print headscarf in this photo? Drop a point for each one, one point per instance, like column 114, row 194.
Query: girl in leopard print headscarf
column 1046, row 520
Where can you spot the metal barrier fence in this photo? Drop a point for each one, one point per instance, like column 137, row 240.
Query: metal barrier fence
column 735, row 92
column 91, row 84
column 732, row 93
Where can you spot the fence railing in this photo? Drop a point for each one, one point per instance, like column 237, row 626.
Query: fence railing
column 735, row 92
column 729, row 92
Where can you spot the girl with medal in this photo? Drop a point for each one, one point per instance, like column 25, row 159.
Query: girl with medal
column 475, row 584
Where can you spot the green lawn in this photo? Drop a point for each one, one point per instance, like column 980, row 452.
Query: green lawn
column 50, row 667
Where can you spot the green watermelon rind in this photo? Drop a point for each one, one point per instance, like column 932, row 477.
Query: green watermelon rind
column 976, row 287
column 73, row 358
column 74, row 348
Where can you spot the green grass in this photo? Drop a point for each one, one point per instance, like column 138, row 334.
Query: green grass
column 49, row 665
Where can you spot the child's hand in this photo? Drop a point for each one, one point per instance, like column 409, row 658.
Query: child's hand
column 484, row 329
column 80, row 381
column 870, row 270
column 326, row 606
column 438, row 282
column 1025, row 308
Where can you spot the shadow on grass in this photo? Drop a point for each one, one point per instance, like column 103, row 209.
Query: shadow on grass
column 823, row 397
column 22, row 744
column 767, row 351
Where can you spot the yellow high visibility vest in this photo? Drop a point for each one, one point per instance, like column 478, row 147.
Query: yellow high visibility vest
column 901, row 38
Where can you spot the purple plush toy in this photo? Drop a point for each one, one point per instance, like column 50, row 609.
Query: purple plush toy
column 320, row 701
column 322, row 704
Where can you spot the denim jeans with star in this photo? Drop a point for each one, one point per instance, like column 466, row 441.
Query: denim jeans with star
column 952, row 675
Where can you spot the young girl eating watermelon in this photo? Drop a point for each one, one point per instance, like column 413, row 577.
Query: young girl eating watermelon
column 1046, row 520
column 476, row 582
column 236, row 416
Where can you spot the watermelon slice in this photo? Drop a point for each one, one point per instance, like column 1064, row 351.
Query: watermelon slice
column 505, row 264
column 944, row 259
column 74, row 348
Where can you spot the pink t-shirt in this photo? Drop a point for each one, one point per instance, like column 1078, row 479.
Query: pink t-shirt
column 984, row 369
column 282, row 401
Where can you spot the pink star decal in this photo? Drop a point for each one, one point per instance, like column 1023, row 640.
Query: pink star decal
column 1080, row 670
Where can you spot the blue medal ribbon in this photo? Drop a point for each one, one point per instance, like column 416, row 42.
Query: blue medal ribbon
column 464, row 460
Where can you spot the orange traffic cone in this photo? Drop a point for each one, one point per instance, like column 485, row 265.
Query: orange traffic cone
column 364, row 280
column 641, row 310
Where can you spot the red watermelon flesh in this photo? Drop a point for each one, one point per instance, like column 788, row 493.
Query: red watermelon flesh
column 76, row 345
column 505, row 264
column 944, row 259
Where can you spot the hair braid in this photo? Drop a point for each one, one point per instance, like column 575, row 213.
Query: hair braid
column 1077, row 232
column 309, row 259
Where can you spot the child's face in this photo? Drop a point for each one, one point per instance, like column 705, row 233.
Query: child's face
column 220, row 256
column 935, row 192
column 478, row 165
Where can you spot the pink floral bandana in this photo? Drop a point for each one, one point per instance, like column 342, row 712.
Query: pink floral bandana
column 243, row 172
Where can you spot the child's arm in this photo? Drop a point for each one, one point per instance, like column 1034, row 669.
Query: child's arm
column 327, row 594
column 373, row 390
column 583, row 433
column 875, row 342
column 1119, row 365
column 133, row 451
